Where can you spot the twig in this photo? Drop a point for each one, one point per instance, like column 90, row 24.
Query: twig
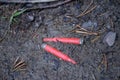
column 79, row 29
column 95, row 39
column 105, row 61
column 88, row 11
column 50, row 6
column 19, row 65
column 16, row 61
column 89, row 33
column 103, row 13
column 86, row 8
column 111, row 21
column 78, row 26
column 26, row 1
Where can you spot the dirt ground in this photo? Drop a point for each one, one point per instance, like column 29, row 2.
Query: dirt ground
column 95, row 59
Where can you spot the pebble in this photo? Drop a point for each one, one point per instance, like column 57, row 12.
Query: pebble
column 30, row 18
column 110, row 38
column 29, row 5
column 89, row 24
column 108, row 26
column 37, row 25
column 115, row 18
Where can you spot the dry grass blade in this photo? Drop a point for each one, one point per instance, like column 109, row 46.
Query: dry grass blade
column 50, row 6
column 104, row 13
column 112, row 24
column 86, row 8
column 19, row 65
column 78, row 26
column 95, row 39
column 84, row 31
column 104, row 62
column 88, row 33
column 16, row 61
column 79, row 29
column 86, row 11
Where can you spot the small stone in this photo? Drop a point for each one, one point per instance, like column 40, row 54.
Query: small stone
column 108, row 26
column 110, row 38
column 115, row 18
column 95, row 24
column 29, row 5
column 89, row 24
column 30, row 18
column 37, row 25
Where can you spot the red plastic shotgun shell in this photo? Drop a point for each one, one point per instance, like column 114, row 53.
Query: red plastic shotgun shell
column 65, row 40
column 57, row 53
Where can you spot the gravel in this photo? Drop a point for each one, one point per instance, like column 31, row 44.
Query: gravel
column 90, row 24
column 110, row 38
column 30, row 18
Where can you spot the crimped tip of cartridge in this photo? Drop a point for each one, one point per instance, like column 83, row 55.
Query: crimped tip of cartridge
column 72, row 61
column 81, row 40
